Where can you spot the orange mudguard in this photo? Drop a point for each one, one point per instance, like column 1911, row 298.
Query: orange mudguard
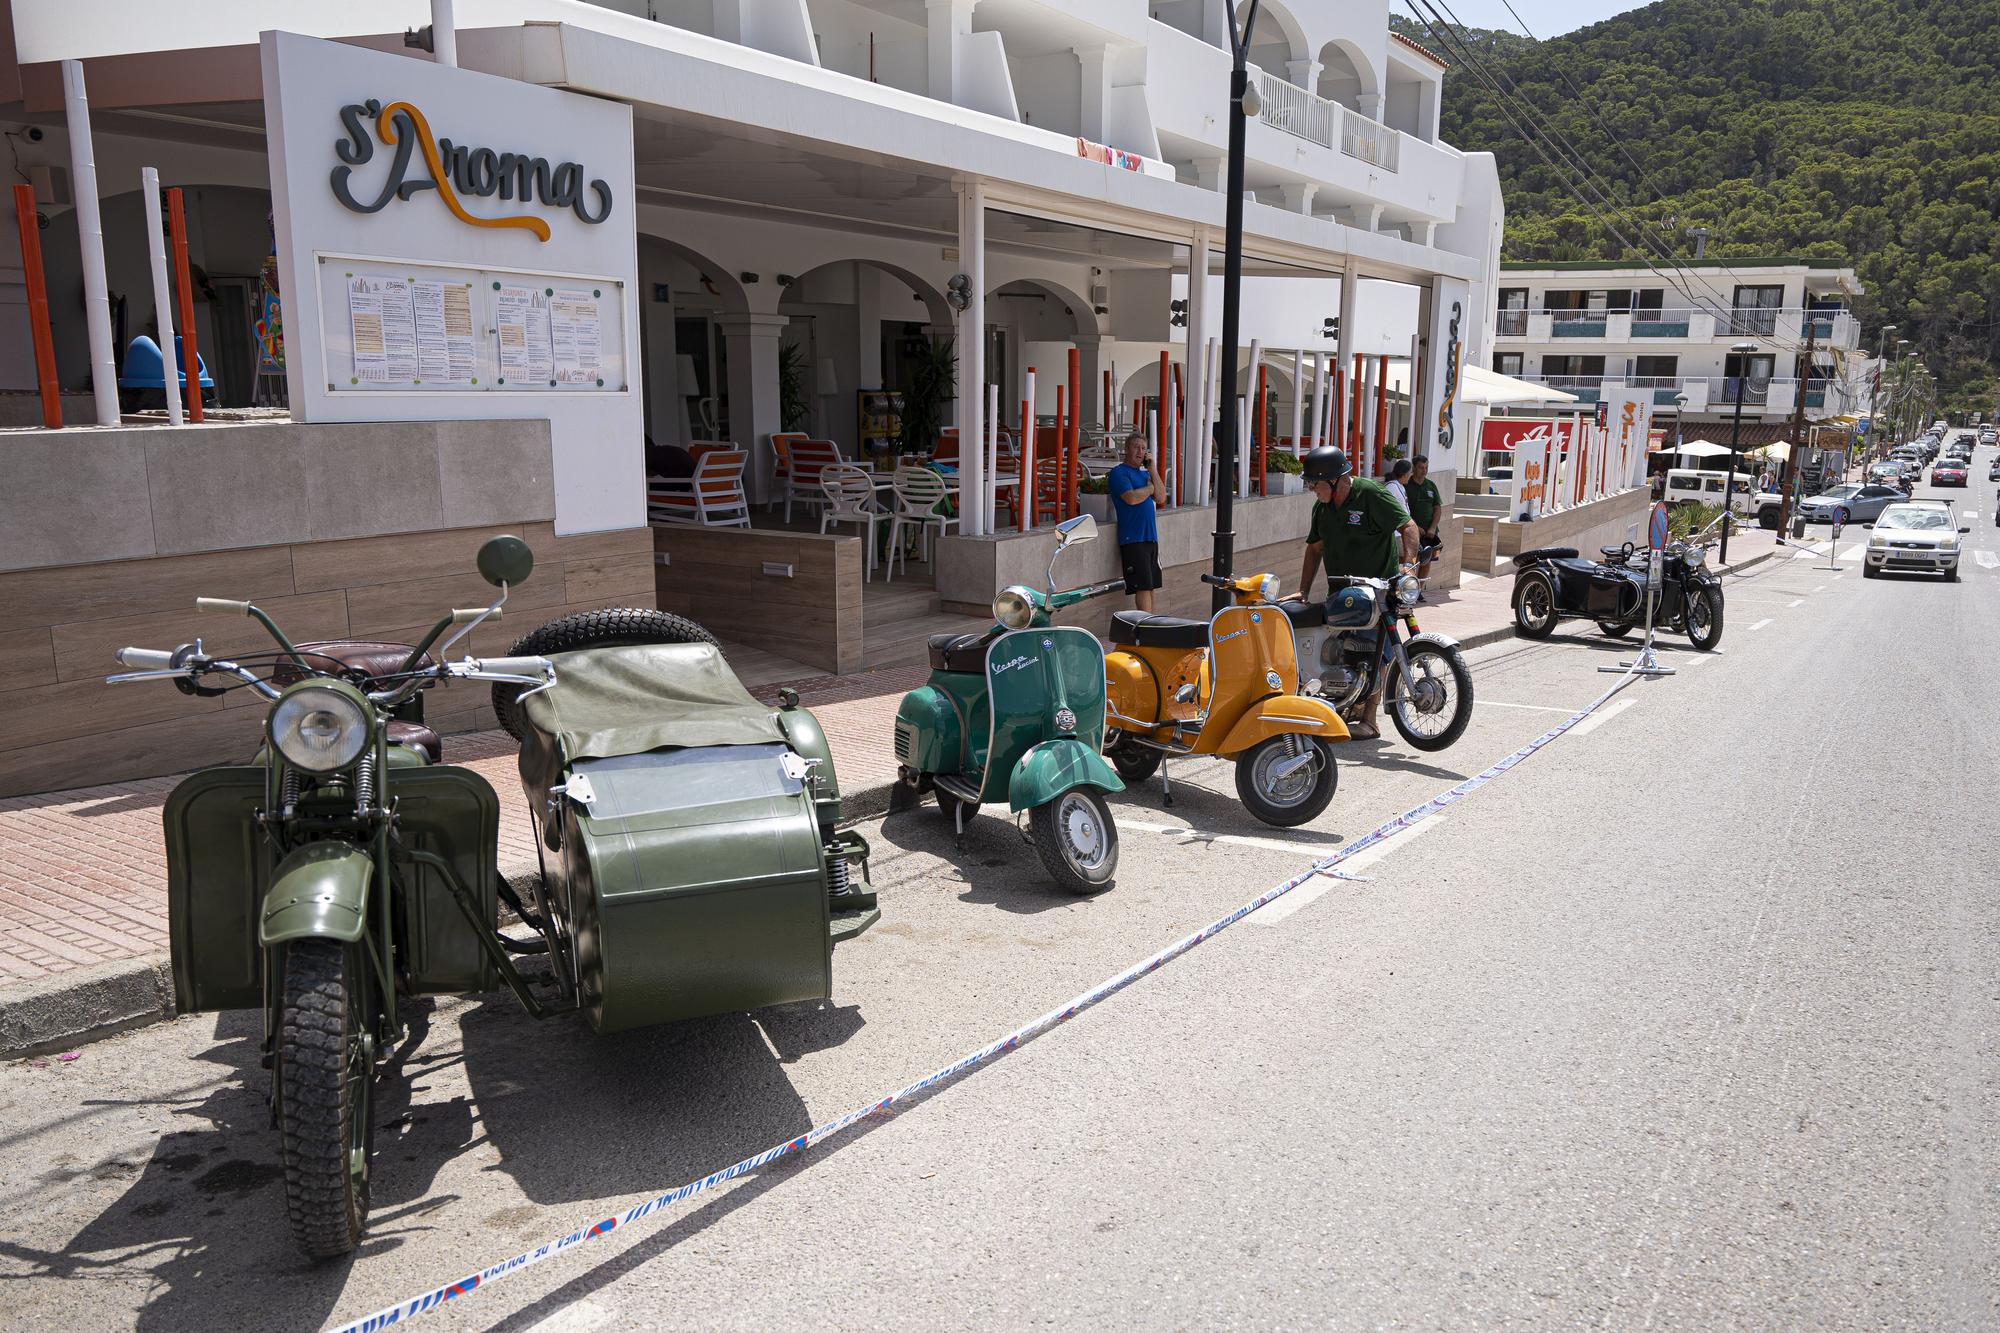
column 1283, row 713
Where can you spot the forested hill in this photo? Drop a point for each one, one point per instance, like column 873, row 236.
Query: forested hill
column 1866, row 130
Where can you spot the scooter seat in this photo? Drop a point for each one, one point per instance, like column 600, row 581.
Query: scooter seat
column 1138, row 629
column 1304, row 615
column 362, row 657
column 958, row 652
column 418, row 737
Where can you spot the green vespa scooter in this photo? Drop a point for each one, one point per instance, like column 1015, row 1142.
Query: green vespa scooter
column 1017, row 715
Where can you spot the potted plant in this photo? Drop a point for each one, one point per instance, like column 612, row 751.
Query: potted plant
column 933, row 383
column 791, row 387
column 1286, row 475
column 1094, row 496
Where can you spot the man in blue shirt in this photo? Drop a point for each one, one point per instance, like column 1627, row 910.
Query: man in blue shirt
column 1135, row 489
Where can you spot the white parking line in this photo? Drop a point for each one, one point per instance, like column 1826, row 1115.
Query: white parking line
column 1800, row 602
column 1820, row 588
column 1759, row 625
column 1306, row 893
column 1191, row 835
column 1987, row 559
column 1602, row 715
column 1539, row 708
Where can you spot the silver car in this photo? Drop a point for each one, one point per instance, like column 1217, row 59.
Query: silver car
column 1920, row 538
column 1862, row 502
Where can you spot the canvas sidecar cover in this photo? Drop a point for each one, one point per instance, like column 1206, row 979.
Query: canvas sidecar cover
column 692, row 871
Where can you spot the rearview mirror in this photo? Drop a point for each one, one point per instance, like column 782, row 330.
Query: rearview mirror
column 505, row 561
column 1070, row 532
column 1965, row 529
column 1867, row 525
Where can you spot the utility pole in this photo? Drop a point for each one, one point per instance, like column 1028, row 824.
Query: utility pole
column 1243, row 103
column 1798, row 426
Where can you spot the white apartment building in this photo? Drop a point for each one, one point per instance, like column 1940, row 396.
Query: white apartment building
column 1582, row 326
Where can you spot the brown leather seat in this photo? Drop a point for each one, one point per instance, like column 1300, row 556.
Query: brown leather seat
column 418, row 737
column 351, row 657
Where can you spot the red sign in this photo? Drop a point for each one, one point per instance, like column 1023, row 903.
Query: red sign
column 1510, row 433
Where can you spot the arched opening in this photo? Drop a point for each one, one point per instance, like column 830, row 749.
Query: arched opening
column 1278, row 44
column 856, row 326
column 1346, row 77
column 1035, row 322
column 682, row 298
column 229, row 240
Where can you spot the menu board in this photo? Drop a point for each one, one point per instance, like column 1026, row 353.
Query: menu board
column 420, row 328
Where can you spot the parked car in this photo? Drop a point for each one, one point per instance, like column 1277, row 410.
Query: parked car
column 1892, row 473
column 1863, row 502
column 1993, row 473
column 1499, row 480
column 1701, row 486
column 1950, row 472
column 1915, row 538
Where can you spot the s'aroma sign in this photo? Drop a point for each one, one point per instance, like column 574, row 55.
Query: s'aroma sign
column 422, row 161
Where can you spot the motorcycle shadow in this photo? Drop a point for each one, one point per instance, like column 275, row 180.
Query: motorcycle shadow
column 994, row 864
column 201, row 1228
column 576, row 1116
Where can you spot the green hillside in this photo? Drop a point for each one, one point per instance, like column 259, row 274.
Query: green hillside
column 1859, row 129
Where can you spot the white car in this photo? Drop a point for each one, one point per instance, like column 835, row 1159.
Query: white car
column 1920, row 537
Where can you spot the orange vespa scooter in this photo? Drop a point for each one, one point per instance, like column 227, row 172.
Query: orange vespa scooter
column 1226, row 686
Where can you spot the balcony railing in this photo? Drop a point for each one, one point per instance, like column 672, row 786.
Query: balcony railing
column 1577, row 323
column 1511, row 324
column 1293, row 109
column 1829, row 328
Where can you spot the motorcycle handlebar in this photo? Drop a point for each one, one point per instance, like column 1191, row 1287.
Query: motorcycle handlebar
column 512, row 666
column 1217, row 581
column 146, row 659
column 222, row 604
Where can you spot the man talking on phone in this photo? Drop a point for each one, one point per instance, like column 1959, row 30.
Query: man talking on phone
column 1136, row 490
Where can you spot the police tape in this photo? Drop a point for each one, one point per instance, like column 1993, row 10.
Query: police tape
column 486, row 1277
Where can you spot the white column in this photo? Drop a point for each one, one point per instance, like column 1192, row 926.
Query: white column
column 1371, row 446
column 1318, row 431
column 1096, row 89
column 90, row 245
column 444, row 33
column 974, row 502
column 1343, row 360
column 1304, row 73
column 1253, row 407
column 1200, row 385
column 163, row 295
column 947, row 21
column 1202, row 484
column 752, row 342
column 1298, row 198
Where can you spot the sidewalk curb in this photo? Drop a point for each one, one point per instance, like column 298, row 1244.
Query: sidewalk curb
column 87, row 1004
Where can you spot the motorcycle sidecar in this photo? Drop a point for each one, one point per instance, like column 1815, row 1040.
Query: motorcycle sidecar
column 694, row 866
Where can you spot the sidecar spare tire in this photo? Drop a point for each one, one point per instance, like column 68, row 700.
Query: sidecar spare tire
column 611, row 627
column 1536, row 604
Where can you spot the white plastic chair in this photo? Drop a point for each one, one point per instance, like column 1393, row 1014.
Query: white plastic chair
column 850, row 498
column 713, row 497
column 920, row 502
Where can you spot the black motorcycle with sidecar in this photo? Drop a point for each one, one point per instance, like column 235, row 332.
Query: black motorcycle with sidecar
column 1552, row 584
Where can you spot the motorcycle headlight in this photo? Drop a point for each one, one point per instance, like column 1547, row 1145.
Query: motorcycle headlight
column 1015, row 608
column 1267, row 587
column 1406, row 587
column 319, row 728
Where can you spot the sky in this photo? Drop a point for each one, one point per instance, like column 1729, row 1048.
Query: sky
column 1545, row 18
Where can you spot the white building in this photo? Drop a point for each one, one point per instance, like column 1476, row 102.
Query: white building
column 808, row 179
column 1582, row 326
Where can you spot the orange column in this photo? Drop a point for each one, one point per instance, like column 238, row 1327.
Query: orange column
column 1167, row 464
column 1073, row 441
column 1028, row 495
column 1336, row 415
column 191, row 354
column 1180, row 423
column 29, row 221
column 1382, row 440
column 1259, row 428
column 1357, row 382
column 1062, row 452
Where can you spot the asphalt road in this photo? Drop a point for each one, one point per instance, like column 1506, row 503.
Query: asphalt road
column 1688, row 1022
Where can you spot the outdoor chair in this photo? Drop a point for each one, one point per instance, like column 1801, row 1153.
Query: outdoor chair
column 808, row 459
column 712, row 498
column 781, row 469
column 849, row 493
column 921, row 503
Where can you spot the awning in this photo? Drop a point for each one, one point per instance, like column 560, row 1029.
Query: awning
column 1701, row 449
column 1489, row 388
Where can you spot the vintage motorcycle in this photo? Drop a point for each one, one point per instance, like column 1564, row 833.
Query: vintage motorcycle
column 1551, row 584
column 346, row 871
column 1017, row 715
column 1225, row 686
column 1354, row 643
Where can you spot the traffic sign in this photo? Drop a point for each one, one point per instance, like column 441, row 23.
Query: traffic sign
column 1656, row 535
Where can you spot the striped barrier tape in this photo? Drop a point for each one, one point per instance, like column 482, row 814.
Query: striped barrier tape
column 1020, row 1036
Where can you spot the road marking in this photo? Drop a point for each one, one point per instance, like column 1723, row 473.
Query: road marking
column 1820, row 588
column 1800, row 602
column 1194, row 835
column 1307, row 893
column 581, row 1317
column 1759, row 625
column 1987, row 559
column 1600, row 717
column 1539, row 708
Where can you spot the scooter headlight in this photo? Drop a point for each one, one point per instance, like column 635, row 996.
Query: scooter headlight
column 1014, row 608
column 319, row 728
column 1407, row 588
column 1267, row 587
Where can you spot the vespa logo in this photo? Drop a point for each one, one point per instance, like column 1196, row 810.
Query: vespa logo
column 1022, row 660
column 1234, row 634
column 453, row 170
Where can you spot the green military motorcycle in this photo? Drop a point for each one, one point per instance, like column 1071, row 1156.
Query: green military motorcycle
column 691, row 863
column 1017, row 715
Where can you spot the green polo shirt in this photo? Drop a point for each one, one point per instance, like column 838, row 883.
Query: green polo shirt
column 1359, row 538
column 1424, row 502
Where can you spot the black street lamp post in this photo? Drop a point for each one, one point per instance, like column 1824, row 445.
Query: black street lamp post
column 1243, row 103
column 1743, row 351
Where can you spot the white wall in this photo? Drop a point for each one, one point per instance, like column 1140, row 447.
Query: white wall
column 902, row 53
column 1048, row 91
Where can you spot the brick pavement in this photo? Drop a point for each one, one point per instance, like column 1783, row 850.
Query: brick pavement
column 83, row 872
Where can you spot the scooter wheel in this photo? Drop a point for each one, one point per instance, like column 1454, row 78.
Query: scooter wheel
column 1076, row 839
column 1134, row 762
column 949, row 806
column 1612, row 629
column 1299, row 795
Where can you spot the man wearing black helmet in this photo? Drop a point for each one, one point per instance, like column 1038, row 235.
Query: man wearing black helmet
column 1358, row 529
